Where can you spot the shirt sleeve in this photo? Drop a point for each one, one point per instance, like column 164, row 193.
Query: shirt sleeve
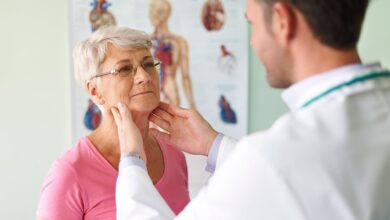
column 212, row 157
column 219, row 151
column 61, row 196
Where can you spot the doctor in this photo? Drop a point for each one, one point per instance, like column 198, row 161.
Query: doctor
column 327, row 159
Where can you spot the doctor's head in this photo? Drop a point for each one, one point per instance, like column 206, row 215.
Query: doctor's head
column 285, row 32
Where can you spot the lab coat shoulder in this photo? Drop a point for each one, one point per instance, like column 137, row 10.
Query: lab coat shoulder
column 288, row 136
column 246, row 186
column 301, row 135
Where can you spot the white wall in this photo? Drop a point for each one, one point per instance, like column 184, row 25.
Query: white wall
column 34, row 99
column 35, row 95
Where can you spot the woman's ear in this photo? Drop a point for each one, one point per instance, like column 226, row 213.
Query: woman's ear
column 94, row 93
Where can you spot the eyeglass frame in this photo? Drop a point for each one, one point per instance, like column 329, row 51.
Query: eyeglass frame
column 117, row 71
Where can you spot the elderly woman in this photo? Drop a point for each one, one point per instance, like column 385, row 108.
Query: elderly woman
column 115, row 66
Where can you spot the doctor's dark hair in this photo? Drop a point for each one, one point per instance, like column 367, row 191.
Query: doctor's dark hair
column 336, row 23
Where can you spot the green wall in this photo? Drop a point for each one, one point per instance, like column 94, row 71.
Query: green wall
column 35, row 93
column 375, row 40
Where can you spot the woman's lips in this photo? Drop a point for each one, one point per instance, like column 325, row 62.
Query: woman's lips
column 142, row 93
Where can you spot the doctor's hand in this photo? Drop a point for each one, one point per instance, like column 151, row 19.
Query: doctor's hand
column 187, row 129
column 130, row 139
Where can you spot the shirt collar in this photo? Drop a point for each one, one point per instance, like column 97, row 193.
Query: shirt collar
column 299, row 93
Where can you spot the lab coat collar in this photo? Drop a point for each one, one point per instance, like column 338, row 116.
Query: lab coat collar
column 297, row 94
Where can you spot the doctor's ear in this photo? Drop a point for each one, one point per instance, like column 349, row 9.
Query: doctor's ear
column 94, row 93
column 284, row 22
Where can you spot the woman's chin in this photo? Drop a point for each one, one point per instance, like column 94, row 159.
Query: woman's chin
column 146, row 107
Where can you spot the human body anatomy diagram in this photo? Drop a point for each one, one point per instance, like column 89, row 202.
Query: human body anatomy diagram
column 172, row 51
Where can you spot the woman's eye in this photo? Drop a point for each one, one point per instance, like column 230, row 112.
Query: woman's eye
column 127, row 68
column 148, row 65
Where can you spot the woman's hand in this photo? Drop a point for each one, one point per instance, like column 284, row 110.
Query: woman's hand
column 130, row 139
column 187, row 129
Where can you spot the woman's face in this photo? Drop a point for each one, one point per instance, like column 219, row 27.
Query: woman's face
column 140, row 90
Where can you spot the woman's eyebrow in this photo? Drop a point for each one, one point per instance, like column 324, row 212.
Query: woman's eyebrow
column 147, row 57
column 129, row 61
column 123, row 61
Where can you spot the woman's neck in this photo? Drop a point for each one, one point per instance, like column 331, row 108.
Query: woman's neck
column 141, row 120
column 105, row 137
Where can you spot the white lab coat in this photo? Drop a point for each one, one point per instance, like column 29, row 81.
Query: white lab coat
column 327, row 161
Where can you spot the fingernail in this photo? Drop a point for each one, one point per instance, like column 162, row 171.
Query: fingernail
column 120, row 105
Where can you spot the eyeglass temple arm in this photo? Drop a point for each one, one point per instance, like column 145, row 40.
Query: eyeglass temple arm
column 106, row 73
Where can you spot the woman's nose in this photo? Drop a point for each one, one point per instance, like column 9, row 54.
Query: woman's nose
column 141, row 76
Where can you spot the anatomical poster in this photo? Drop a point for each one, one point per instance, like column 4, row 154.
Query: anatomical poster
column 203, row 47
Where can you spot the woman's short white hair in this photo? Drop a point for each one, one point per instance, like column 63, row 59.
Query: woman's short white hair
column 90, row 53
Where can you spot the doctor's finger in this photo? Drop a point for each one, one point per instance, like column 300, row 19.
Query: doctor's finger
column 174, row 110
column 160, row 122
column 163, row 114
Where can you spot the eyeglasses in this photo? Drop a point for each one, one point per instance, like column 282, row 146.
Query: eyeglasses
column 150, row 67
